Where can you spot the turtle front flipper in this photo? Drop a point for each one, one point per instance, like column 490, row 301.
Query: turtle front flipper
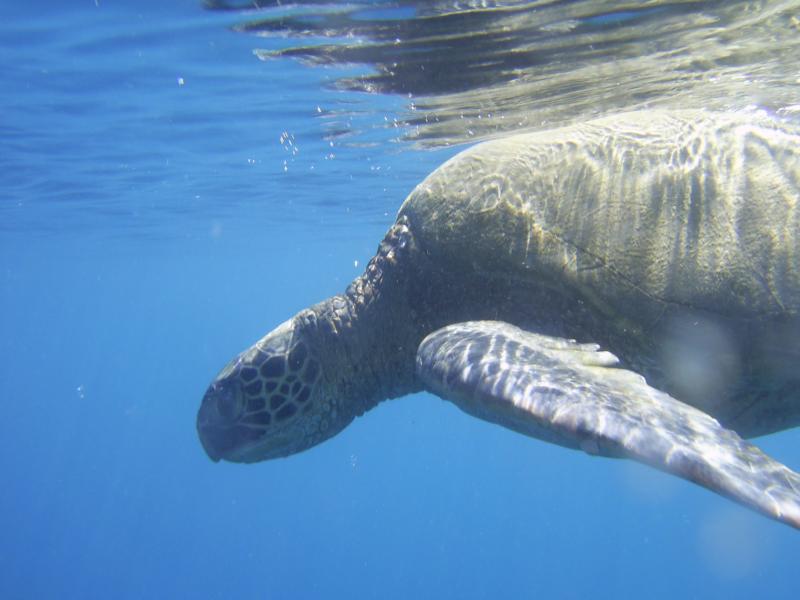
column 571, row 394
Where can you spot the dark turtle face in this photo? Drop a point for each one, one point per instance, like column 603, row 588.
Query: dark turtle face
column 262, row 404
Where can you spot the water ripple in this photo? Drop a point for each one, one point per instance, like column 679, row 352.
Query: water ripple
column 472, row 70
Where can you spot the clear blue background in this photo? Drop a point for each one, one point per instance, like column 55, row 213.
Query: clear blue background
column 148, row 231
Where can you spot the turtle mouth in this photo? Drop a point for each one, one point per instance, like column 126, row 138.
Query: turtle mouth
column 226, row 443
column 240, row 443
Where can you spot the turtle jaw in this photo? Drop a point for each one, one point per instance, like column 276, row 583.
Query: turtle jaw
column 222, row 443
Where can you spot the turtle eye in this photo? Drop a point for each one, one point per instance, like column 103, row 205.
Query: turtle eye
column 228, row 400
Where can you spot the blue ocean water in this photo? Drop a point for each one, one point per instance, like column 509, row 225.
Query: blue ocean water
column 165, row 199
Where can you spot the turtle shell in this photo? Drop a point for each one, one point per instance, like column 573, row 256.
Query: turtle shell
column 634, row 212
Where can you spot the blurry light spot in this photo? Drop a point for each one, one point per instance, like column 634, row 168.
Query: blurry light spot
column 701, row 361
column 732, row 544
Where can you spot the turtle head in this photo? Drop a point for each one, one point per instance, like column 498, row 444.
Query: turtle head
column 310, row 377
column 267, row 402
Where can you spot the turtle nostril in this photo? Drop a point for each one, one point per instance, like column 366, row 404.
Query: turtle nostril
column 227, row 400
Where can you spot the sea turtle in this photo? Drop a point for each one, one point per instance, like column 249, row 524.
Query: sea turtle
column 668, row 238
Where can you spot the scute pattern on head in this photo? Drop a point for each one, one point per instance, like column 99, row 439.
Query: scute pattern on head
column 281, row 388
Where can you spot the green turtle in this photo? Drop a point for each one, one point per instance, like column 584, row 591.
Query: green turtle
column 627, row 286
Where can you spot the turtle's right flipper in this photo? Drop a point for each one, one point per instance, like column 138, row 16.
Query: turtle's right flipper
column 568, row 393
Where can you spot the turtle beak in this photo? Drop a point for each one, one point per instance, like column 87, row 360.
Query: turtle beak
column 210, row 451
